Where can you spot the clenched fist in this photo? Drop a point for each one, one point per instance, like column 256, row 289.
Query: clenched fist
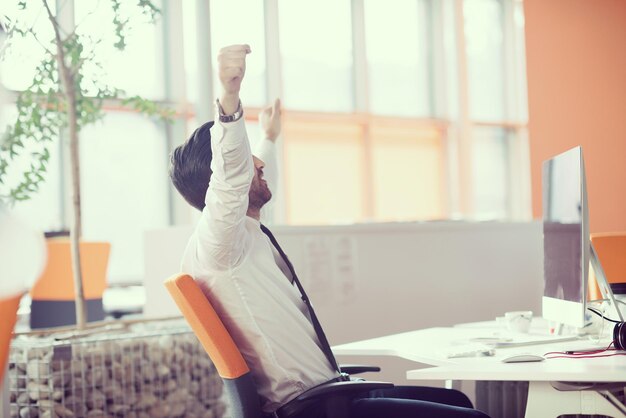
column 231, row 64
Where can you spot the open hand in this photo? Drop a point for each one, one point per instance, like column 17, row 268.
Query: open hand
column 269, row 118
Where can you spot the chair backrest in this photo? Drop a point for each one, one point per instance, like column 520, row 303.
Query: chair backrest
column 8, row 313
column 53, row 295
column 219, row 345
column 56, row 281
column 611, row 249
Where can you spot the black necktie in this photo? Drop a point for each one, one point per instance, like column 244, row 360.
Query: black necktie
column 316, row 323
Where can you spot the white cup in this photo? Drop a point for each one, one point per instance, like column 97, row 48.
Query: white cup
column 518, row 321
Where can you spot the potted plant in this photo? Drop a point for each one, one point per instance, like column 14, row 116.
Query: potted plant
column 62, row 99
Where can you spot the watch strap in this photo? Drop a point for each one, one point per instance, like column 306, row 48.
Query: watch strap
column 224, row 118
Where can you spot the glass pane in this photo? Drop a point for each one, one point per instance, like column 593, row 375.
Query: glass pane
column 398, row 77
column 124, row 186
column 190, row 46
column 231, row 25
column 316, row 50
column 491, row 174
column 520, row 62
column 408, row 166
column 43, row 210
column 138, row 70
column 450, row 57
column 323, row 173
column 485, row 58
column 23, row 54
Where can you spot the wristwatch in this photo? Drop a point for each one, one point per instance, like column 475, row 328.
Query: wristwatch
column 224, row 118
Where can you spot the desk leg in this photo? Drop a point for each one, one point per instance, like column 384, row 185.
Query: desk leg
column 544, row 401
column 453, row 384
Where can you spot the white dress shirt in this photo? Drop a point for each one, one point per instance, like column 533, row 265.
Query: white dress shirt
column 244, row 278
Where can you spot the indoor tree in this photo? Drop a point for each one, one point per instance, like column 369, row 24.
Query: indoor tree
column 67, row 93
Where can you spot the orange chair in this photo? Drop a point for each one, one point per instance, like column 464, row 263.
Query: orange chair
column 611, row 250
column 232, row 368
column 8, row 317
column 53, row 294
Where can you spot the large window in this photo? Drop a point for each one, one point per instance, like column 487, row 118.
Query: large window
column 324, row 172
column 484, row 47
column 229, row 25
column 139, row 68
column 397, row 56
column 408, row 166
column 123, row 157
column 415, row 111
column 316, row 55
column 427, row 125
column 124, row 172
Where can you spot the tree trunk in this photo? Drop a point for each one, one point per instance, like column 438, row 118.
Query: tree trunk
column 76, row 230
column 68, row 83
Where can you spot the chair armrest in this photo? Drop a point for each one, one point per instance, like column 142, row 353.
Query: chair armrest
column 358, row 368
column 342, row 388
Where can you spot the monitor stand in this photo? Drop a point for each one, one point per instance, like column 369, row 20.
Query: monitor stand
column 603, row 284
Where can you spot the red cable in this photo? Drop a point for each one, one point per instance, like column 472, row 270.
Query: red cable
column 590, row 356
column 584, row 354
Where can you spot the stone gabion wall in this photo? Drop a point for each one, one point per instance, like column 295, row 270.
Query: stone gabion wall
column 138, row 373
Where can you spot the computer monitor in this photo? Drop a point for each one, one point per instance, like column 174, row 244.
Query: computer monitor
column 566, row 244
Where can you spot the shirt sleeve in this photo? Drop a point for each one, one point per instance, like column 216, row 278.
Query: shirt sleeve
column 266, row 151
column 221, row 238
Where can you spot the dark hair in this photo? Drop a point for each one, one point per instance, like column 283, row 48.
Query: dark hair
column 190, row 166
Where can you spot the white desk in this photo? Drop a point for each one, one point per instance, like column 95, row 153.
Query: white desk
column 430, row 346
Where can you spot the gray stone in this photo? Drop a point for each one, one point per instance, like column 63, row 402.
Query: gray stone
column 48, row 414
column 119, row 409
column 29, row 412
column 23, row 398
column 145, row 401
column 37, row 370
column 96, row 399
column 37, row 391
column 63, row 412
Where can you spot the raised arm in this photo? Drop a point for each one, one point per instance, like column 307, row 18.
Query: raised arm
column 221, row 234
column 265, row 149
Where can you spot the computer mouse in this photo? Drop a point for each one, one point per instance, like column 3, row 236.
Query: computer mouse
column 523, row 358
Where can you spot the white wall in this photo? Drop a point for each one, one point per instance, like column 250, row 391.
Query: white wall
column 375, row 279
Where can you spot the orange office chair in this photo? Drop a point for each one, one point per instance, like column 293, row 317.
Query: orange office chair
column 232, row 368
column 53, row 294
column 611, row 250
column 8, row 315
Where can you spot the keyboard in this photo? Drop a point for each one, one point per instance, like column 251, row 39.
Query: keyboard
column 470, row 350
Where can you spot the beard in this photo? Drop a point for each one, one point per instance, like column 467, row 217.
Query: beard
column 259, row 193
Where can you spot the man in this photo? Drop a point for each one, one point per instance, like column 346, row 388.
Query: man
column 245, row 275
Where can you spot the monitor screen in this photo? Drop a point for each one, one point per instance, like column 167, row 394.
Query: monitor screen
column 565, row 238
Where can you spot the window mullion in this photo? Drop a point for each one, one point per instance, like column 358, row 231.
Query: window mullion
column 359, row 69
column 464, row 134
column 439, row 99
column 273, row 79
column 518, row 199
column 175, row 91
column 361, row 104
column 206, row 96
